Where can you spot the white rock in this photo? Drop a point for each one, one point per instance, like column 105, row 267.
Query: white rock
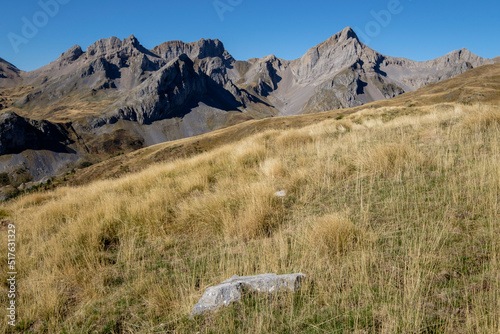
column 230, row 290
column 281, row 193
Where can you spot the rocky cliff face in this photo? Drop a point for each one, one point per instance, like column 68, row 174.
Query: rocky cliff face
column 163, row 94
column 118, row 95
column 18, row 134
column 173, row 91
column 204, row 48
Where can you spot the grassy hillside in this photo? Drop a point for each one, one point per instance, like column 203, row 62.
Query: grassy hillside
column 480, row 85
column 392, row 215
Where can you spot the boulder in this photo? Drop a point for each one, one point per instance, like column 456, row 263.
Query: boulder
column 231, row 290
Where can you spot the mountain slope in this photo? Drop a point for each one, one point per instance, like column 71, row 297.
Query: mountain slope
column 342, row 72
column 119, row 96
column 338, row 73
column 477, row 86
column 392, row 213
column 9, row 75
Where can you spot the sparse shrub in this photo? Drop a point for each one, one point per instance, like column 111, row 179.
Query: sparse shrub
column 344, row 125
column 4, row 213
column 298, row 180
column 35, row 199
column 244, row 213
column 205, row 216
column 85, row 164
column 20, row 176
column 4, row 179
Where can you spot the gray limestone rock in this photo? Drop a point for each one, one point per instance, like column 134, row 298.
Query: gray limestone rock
column 231, row 290
column 167, row 91
column 204, row 48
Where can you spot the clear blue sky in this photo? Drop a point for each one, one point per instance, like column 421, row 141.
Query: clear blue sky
column 417, row 29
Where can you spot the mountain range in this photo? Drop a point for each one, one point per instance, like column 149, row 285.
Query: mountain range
column 118, row 96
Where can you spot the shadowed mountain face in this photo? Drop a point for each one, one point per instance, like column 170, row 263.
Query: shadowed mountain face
column 118, row 96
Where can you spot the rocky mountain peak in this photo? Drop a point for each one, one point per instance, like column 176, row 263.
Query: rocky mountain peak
column 130, row 96
column 112, row 45
column 339, row 51
column 71, row 54
column 131, row 40
column 210, row 48
column 345, row 37
column 104, row 46
column 342, row 36
column 9, row 74
column 463, row 52
column 461, row 57
column 204, row 48
column 5, row 65
column 350, row 32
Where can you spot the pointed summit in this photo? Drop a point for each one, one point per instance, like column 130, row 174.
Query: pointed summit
column 349, row 33
column 459, row 56
column 338, row 52
column 345, row 35
column 72, row 53
column 131, row 40
column 104, row 46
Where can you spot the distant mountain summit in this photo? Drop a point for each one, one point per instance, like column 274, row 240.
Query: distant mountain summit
column 9, row 74
column 341, row 72
column 118, row 96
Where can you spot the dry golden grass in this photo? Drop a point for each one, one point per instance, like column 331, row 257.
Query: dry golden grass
column 333, row 234
column 483, row 120
column 394, row 220
column 72, row 107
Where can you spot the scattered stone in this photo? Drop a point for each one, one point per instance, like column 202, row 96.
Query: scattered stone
column 27, row 186
column 231, row 290
column 281, row 193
